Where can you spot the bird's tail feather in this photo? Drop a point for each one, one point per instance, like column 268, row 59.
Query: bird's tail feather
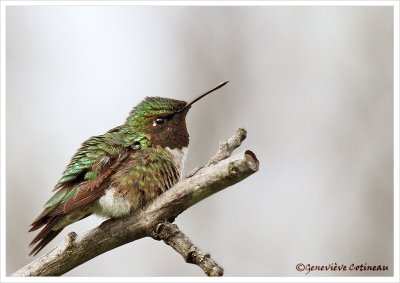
column 45, row 235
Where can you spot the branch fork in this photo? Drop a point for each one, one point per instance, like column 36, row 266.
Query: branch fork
column 222, row 171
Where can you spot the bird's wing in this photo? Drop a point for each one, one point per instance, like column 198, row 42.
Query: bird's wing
column 88, row 160
column 88, row 191
column 68, row 199
column 84, row 178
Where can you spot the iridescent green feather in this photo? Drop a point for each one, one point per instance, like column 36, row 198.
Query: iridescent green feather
column 149, row 170
column 85, row 165
column 56, row 199
column 152, row 107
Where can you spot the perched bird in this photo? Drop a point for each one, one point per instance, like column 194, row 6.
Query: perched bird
column 122, row 170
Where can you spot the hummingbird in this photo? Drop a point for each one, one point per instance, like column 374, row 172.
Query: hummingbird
column 114, row 174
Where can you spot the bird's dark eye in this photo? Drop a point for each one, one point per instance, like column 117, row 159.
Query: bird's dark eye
column 159, row 121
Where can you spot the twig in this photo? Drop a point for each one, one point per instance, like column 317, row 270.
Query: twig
column 113, row 233
column 226, row 148
column 172, row 236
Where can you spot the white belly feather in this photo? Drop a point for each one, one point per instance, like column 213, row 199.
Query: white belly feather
column 112, row 205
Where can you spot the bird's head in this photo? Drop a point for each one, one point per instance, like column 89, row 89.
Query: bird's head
column 163, row 120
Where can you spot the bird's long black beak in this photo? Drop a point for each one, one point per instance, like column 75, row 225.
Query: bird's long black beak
column 189, row 104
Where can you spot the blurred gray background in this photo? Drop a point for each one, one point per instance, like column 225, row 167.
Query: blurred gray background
column 312, row 85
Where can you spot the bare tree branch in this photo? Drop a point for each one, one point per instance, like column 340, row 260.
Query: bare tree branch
column 226, row 148
column 172, row 236
column 113, row 233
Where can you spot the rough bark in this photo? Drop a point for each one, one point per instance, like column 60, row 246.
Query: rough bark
column 172, row 236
